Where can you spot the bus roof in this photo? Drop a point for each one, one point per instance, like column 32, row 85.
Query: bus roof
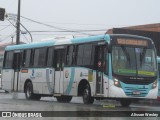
column 52, row 42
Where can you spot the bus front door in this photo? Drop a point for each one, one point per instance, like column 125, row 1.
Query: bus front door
column 100, row 63
column 17, row 56
column 59, row 64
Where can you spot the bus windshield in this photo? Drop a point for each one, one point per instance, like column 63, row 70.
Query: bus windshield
column 134, row 61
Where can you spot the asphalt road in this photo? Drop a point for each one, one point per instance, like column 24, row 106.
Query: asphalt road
column 16, row 102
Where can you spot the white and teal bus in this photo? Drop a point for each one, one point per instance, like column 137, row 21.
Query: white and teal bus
column 119, row 67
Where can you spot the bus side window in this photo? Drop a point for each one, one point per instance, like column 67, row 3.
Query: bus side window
column 8, row 60
column 26, row 58
column 32, row 58
column 36, row 57
column 69, row 56
column 74, row 57
column 42, row 57
column 87, row 55
column 80, row 49
column 50, row 57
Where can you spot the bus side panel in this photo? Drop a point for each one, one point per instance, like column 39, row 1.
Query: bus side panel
column 38, row 78
column 70, row 83
column 7, row 79
column 35, row 76
column 48, row 82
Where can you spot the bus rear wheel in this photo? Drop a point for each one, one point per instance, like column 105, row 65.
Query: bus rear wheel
column 29, row 92
column 87, row 99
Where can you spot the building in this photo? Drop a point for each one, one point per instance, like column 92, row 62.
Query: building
column 151, row 30
column 148, row 27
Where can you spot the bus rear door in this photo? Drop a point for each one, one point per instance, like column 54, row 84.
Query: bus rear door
column 59, row 58
column 17, row 58
column 11, row 71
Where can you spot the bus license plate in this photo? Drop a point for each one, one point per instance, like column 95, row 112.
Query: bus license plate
column 136, row 92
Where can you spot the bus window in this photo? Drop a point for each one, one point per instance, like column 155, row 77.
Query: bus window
column 32, row 58
column 8, row 60
column 80, row 55
column 42, row 57
column 74, row 59
column 36, row 57
column 87, row 55
column 26, row 58
column 69, row 57
column 50, row 57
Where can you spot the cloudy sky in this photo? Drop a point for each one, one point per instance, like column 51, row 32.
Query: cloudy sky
column 76, row 15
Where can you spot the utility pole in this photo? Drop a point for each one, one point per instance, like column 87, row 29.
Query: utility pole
column 18, row 23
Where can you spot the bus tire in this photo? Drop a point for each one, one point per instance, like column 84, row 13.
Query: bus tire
column 87, row 99
column 125, row 103
column 29, row 91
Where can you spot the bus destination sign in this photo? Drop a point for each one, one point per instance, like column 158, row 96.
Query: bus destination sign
column 132, row 42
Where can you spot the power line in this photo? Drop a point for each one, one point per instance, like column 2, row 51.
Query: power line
column 9, row 36
column 5, row 27
column 21, row 31
column 55, row 27
column 40, row 31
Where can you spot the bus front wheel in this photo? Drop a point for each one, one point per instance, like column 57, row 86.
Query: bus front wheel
column 87, row 98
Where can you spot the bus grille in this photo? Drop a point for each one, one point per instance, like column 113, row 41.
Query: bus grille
column 139, row 82
column 142, row 92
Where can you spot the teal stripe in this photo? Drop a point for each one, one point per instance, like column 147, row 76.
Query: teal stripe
column 110, row 67
column 31, row 45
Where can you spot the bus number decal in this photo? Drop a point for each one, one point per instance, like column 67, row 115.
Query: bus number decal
column 24, row 70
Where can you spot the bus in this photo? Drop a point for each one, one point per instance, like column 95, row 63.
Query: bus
column 158, row 60
column 119, row 67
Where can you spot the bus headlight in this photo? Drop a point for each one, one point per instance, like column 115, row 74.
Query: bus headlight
column 117, row 83
column 154, row 85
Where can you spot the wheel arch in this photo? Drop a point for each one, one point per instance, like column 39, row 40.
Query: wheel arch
column 82, row 85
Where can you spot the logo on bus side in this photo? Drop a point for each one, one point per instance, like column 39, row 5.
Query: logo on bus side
column 66, row 74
